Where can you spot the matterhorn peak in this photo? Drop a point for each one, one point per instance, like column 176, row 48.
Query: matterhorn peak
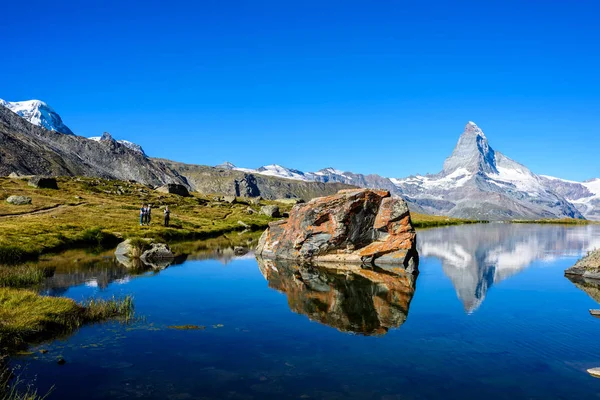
column 38, row 113
column 472, row 152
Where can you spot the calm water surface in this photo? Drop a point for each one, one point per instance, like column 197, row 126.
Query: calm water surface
column 490, row 316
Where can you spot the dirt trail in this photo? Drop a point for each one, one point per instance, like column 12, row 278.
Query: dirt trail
column 45, row 210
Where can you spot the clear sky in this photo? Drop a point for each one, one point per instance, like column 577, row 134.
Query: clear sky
column 370, row 86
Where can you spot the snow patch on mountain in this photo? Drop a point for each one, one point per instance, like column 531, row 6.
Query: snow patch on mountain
column 38, row 113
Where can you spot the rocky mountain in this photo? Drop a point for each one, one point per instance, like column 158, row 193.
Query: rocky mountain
column 29, row 149
column 107, row 137
column 479, row 182
column 232, row 181
column 38, row 113
column 476, row 182
column 585, row 196
column 34, row 140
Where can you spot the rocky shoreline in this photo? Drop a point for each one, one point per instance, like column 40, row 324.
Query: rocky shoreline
column 587, row 267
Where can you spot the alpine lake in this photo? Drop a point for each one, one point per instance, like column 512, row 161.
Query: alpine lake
column 490, row 315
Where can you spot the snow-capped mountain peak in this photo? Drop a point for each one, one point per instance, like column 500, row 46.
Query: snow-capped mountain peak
column 226, row 165
column 472, row 152
column 38, row 113
column 282, row 172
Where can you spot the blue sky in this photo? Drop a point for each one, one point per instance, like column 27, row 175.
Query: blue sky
column 374, row 87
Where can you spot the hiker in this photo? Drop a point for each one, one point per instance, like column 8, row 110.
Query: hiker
column 148, row 214
column 167, row 215
column 142, row 214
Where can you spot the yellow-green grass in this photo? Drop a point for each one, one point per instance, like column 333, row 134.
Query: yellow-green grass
column 559, row 221
column 26, row 316
column 429, row 221
column 98, row 212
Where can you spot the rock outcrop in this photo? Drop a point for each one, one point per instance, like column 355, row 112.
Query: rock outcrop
column 354, row 226
column 270, row 211
column 587, row 267
column 43, row 182
column 174, row 188
column 344, row 296
column 151, row 255
column 19, row 200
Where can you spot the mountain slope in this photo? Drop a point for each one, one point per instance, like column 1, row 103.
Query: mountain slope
column 585, row 196
column 26, row 148
column 230, row 181
column 29, row 149
column 38, row 113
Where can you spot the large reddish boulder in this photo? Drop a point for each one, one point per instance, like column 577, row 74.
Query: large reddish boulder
column 353, row 226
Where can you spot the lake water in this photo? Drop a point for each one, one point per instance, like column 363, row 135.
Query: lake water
column 489, row 316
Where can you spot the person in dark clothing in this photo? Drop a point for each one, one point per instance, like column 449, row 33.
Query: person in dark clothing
column 142, row 214
column 167, row 213
column 148, row 214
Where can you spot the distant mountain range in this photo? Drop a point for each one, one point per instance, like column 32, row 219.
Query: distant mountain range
column 475, row 182
column 35, row 141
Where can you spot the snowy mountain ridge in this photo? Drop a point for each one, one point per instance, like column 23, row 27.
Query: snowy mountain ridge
column 475, row 182
column 38, row 113
column 41, row 114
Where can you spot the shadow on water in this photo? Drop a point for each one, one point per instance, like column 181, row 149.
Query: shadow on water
column 476, row 257
column 346, row 297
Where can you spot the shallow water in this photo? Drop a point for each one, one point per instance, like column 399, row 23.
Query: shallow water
column 490, row 316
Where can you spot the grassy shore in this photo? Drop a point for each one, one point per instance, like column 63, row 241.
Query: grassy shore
column 430, row 221
column 88, row 212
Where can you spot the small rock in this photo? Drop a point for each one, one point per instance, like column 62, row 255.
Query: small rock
column 243, row 224
column 270, row 211
column 61, row 361
column 239, row 250
column 230, row 199
column 595, row 313
column 19, row 200
column 43, row 351
column 250, row 210
column 255, row 200
column 174, row 188
column 43, row 182
column 595, row 372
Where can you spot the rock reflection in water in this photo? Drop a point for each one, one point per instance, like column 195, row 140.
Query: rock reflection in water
column 478, row 256
column 589, row 286
column 346, row 297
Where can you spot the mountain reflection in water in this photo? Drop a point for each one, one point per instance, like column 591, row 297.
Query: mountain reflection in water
column 478, row 256
column 346, row 297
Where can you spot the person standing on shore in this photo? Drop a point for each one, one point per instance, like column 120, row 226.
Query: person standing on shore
column 142, row 214
column 148, row 214
column 167, row 213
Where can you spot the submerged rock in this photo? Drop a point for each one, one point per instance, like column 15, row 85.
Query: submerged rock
column 353, row 226
column 174, row 188
column 19, row 200
column 344, row 296
column 43, row 182
column 587, row 267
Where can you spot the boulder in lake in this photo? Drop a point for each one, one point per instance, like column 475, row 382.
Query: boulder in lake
column 353, row 226
column 174, row 188
column 587, row 267
column 43, row 182
column 270, row 211
column 158, row 256
column 19, row 200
